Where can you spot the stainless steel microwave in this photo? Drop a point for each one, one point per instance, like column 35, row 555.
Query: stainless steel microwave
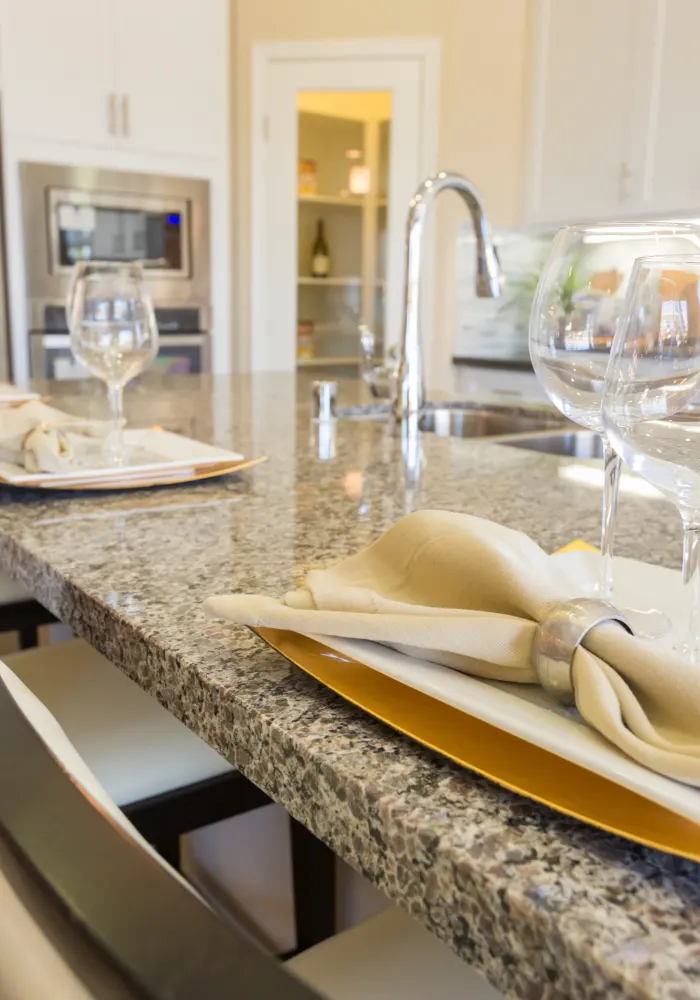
column 73, row 213
column 111, row 227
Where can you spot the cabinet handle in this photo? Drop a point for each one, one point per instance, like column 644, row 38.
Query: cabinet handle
column 625, row 177
column 112, row 113
column 126, row 126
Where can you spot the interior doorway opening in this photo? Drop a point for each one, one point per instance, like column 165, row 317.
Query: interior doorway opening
column 344, row 141
column 343, row 133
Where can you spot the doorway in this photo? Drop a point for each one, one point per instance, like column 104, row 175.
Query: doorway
column 342, row 200
column 343, row 134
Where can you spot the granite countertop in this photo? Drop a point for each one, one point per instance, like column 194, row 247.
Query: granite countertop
column 547, row 907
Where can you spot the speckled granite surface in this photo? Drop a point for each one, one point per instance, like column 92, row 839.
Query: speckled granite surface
column 547, row 907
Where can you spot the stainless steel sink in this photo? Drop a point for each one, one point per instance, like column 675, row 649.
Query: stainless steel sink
column 491, row 421
column 468, row 420
column 573, row 444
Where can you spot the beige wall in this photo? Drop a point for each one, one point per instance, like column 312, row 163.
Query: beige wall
column 481, row 114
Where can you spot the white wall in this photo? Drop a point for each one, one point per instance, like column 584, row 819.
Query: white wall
column 481, row 113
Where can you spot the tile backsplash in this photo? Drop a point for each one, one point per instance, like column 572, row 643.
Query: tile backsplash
column 497, row 328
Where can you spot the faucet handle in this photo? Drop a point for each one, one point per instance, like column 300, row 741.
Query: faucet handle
column 367, row 343
column 379, row 378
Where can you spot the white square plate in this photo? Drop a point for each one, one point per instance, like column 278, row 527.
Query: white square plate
column 157, row 455
column 12, row 395
column 527, row 711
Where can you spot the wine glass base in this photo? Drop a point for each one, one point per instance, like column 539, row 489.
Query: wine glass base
column 648, row 624
column 109, row 455
column 690, row 651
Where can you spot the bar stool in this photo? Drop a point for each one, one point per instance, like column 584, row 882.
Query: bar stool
column 20, row 613
column 88, row 911
column 163, row 777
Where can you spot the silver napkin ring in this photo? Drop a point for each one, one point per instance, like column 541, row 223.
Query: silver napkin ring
column 559, row 633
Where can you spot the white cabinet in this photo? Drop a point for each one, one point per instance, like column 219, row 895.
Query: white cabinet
column 171, row 74
column 58, row 70
column 673, row 130
column 141, row 75
column 497, row 385
column 581, row 94
column 615, row 121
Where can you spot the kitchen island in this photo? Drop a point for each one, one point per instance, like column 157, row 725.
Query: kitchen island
column 547, row 907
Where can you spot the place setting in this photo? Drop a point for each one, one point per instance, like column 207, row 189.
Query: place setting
column 572, row 678
column 114, row 334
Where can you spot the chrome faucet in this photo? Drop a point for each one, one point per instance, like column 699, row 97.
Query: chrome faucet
column 410, row 396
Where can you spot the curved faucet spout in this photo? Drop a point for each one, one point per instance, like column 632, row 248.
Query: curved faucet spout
column 411, row 392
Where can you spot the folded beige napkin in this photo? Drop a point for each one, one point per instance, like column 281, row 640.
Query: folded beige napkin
column 43, row 439
column 468, row 593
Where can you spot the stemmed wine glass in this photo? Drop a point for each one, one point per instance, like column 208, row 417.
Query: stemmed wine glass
column 113, row 333
column 579, row 298
column 651, row 405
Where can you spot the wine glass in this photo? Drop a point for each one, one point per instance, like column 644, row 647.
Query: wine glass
column 574, row 314
column 113, row 333
column 651, row 404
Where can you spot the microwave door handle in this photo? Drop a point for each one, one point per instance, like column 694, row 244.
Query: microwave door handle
column 62, row 340
column 178, row 340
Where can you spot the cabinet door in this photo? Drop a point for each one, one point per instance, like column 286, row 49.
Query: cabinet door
column 172, row 73
column 582, row 82
column 58, row 70
column 673, row 167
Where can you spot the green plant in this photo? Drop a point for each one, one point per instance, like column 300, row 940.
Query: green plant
column 568, row 290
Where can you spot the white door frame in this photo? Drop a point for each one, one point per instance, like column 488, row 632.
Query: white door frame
column 424, row 54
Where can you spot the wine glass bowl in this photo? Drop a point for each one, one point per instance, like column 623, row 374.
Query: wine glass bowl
column 579, row 299
column 651, row 405
column 114, row 332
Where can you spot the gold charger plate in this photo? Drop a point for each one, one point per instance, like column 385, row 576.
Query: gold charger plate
column 193, row 475
column 506, row 759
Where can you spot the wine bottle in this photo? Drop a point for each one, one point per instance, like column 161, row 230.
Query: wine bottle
column 320, row 258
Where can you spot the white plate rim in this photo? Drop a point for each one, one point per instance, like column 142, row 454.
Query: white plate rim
column 552, row 728
column 194, row 453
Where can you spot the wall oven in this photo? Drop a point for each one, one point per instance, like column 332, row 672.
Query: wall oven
column 183, row 347
column 78, row 213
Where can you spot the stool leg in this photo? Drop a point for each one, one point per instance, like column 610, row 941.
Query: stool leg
column 28, row 637
column 313, row 873
column 169, row 849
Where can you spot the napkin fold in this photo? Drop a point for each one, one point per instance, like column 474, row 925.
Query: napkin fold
column 43, row 439
column 468, row 593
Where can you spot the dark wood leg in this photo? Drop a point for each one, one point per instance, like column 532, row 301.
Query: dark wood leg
column 169, row 850
column 182, row 810
column 313, row 872
column 28, row 637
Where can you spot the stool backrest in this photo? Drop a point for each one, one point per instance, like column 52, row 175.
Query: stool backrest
column 115, row 921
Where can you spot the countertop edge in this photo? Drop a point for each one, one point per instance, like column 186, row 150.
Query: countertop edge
column 502, row 364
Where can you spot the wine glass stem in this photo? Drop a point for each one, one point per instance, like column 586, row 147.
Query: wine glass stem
column 611, row 484
column 691, row 582
column 116, row 406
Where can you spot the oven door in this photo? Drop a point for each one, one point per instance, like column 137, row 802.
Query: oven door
column 178, row 354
